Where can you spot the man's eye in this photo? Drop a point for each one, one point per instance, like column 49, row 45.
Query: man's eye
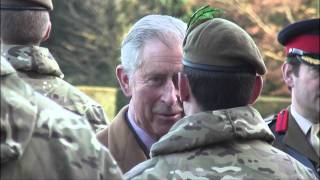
column 156, row 81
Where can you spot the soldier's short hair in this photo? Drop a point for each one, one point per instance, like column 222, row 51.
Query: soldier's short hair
column 22, row 27
column 162, row 27
column 220, row 90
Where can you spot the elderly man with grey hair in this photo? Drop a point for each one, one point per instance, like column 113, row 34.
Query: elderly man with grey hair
column 151, row 57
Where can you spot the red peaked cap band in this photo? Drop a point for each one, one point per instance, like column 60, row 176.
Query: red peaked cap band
column 308, row 43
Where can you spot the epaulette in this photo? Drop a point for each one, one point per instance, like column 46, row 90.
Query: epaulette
column 282, row 121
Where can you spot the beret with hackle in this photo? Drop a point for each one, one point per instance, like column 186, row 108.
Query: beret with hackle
column 220, row 45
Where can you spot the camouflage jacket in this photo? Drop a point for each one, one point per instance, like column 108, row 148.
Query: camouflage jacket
column 41, row 140
column 222, row 144
column 38, row 68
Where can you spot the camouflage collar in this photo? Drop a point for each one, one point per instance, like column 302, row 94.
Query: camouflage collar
column 31, row 58
column 209, row 128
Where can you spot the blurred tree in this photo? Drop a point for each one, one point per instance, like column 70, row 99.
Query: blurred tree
column 85, row 40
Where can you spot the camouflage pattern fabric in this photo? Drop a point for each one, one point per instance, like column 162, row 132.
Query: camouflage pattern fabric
column 41, row 140
column 38, row 68
column 222, row 144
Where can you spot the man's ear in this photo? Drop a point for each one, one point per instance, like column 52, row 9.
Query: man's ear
column 287, row 75
column 47, row 33
column 184, row 88
column 257, row 88
column 123, row 79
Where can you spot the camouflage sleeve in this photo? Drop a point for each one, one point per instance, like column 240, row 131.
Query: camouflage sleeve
column 15, row 135
column 80, row 103
column 72, row 99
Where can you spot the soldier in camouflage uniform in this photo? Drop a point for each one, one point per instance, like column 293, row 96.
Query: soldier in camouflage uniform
column 222, row 136
column 41, row 140
column 24, row 25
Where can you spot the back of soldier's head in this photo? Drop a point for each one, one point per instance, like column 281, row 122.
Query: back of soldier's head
column 221, row 61
column 24, row 21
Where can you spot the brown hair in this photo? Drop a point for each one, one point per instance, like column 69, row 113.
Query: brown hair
column 220, row 90
column 23, row 27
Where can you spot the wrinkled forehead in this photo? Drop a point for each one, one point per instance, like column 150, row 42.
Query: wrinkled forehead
column 162, row 59
column 161, row 65
column 157, row 52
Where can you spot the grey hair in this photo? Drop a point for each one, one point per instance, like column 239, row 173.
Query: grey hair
column 161, row 27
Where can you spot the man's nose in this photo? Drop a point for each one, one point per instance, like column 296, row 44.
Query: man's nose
column 170, row 93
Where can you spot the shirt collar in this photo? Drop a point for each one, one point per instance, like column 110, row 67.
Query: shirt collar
column 303, row 123
column 147, row 140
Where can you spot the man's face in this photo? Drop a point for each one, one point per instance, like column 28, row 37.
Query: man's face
column 306, row 91
column 153, row 87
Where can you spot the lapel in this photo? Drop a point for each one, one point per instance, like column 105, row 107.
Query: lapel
column 122, row 143
column 296, row 140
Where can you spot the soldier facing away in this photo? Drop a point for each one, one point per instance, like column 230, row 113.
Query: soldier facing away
column 41, row 140
column 297, row 127
column 221, row 136
column 24, row 25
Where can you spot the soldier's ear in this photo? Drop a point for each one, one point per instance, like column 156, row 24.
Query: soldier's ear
column 184, row 88
column 123, row 79
column 47, row 32
column 287, row 74
column 257, row 88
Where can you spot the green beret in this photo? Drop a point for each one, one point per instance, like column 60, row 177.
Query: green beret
column 26, row 5
column 220, row 45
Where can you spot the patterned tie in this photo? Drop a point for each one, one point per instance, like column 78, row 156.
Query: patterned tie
column 314, row 137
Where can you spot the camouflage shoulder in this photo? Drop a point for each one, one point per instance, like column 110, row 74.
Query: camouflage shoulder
column 270, row 119
column 72, row 99
column 139, row 169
